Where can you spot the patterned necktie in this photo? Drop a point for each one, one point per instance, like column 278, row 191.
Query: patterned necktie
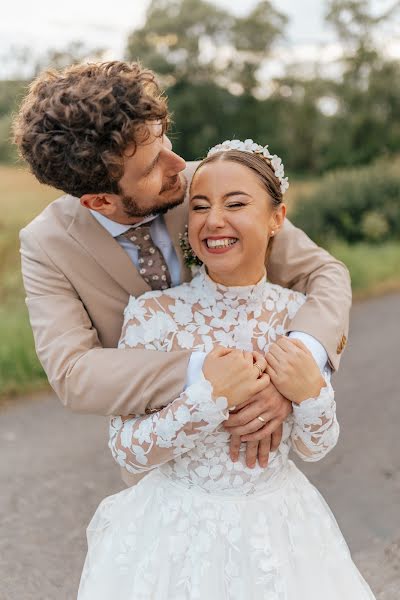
column 152, row 265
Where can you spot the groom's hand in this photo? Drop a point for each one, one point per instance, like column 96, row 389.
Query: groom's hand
column 261, row 437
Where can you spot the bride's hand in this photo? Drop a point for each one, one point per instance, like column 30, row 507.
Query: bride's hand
column 293, row 370
column 234, row 375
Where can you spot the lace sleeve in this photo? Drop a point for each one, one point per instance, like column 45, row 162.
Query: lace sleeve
column 143, row 443
column 315, row 429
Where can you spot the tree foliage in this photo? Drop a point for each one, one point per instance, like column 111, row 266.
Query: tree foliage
column 353, row 205
column 368, row 93
column 213, row 65
column 195, row 41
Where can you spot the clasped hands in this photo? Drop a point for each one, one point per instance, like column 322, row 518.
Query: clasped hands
column 261, row 386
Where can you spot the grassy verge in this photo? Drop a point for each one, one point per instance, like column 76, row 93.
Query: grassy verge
column 20, row 371
column 21, row 199
column 374, row 269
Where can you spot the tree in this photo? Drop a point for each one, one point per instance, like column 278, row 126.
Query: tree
column 208, row 59
column 355, row 22
column 72, row 54
column 193, row 40
column 368, row 93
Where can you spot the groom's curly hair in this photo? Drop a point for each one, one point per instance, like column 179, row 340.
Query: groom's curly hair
column 74, row 126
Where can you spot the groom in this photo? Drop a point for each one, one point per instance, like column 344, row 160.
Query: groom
column 97, row 132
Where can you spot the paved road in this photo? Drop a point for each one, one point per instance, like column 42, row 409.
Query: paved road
column 55, row 468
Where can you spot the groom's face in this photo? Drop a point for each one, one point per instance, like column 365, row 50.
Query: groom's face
column 153, row 181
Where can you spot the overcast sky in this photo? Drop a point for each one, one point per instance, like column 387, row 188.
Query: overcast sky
column 51, row 23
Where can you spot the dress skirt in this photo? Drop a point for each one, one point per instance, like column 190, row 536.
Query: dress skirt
column 163, row 540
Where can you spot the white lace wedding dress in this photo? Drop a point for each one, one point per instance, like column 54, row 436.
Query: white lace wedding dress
column 199, row 526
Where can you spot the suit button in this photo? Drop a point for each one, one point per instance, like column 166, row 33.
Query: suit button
column 341, row 344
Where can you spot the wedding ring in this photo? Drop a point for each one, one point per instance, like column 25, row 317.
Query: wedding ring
column 260, row 369
column 261, row 419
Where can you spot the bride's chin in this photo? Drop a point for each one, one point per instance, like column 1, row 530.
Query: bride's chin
column 221, row 273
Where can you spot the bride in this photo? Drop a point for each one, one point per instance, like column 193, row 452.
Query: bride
column 200, row 526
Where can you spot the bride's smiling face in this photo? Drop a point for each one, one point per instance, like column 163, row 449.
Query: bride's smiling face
column 231, row 216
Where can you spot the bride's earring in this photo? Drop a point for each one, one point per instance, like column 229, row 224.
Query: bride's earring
column 272, row 233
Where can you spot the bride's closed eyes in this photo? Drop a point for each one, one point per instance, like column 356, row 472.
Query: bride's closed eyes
column 203, row 207
column 200, row 203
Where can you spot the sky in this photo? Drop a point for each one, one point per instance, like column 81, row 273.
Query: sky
column 52, row 24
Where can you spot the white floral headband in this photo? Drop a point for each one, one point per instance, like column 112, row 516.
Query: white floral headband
column 253, row 148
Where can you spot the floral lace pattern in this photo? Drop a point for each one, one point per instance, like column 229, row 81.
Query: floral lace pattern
column 199, row 526
column 175, row 428
column 163, row 540
column 185, row 439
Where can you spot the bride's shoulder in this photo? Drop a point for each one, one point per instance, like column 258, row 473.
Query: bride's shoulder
column 284, row 299
column 146, row 303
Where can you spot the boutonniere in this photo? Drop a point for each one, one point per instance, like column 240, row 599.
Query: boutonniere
column 189, row 257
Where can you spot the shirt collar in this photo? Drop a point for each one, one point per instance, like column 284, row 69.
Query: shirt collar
column 115, row 229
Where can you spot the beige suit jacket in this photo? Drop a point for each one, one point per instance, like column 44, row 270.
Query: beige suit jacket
column 78, row 280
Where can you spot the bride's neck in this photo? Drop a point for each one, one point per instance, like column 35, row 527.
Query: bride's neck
column 236, row 279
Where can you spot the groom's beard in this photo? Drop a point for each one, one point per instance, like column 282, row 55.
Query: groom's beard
column 133, row 209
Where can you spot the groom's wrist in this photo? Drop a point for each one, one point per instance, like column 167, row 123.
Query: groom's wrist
column 314, row 346
column 194, row 370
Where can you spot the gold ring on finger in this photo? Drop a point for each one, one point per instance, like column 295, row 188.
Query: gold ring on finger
column 261, row 419
column 260, row 369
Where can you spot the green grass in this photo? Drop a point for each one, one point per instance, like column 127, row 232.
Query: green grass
column 374, row 269
column 21, row 199
column 20, row 371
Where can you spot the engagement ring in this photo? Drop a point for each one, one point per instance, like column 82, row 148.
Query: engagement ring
column 260, row 369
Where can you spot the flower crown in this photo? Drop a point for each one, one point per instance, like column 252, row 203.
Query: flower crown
column 253, row 148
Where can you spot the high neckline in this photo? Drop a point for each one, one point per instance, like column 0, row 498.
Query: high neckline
column 238, row 292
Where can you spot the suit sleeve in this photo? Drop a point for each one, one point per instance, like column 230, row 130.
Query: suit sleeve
column 297, row 262
column 87, row 377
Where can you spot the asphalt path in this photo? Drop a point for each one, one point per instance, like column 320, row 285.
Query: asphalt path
column 55, row 468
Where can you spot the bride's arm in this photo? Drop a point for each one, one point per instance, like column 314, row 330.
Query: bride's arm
column 143, row 443
column 315, row 429
column 296, row 375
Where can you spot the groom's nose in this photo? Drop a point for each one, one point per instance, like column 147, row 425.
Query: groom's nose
column 175, row 163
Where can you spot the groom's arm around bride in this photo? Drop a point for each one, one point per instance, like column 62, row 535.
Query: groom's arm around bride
column 77, row 275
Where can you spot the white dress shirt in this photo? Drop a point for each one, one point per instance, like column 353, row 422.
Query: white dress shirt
column 160, row 236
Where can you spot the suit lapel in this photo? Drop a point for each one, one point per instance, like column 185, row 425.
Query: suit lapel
column 106, row 251
column 112, row 258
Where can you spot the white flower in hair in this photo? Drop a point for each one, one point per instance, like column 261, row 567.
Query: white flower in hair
column 284, row 184
column 250, row 146
column 277, row 165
